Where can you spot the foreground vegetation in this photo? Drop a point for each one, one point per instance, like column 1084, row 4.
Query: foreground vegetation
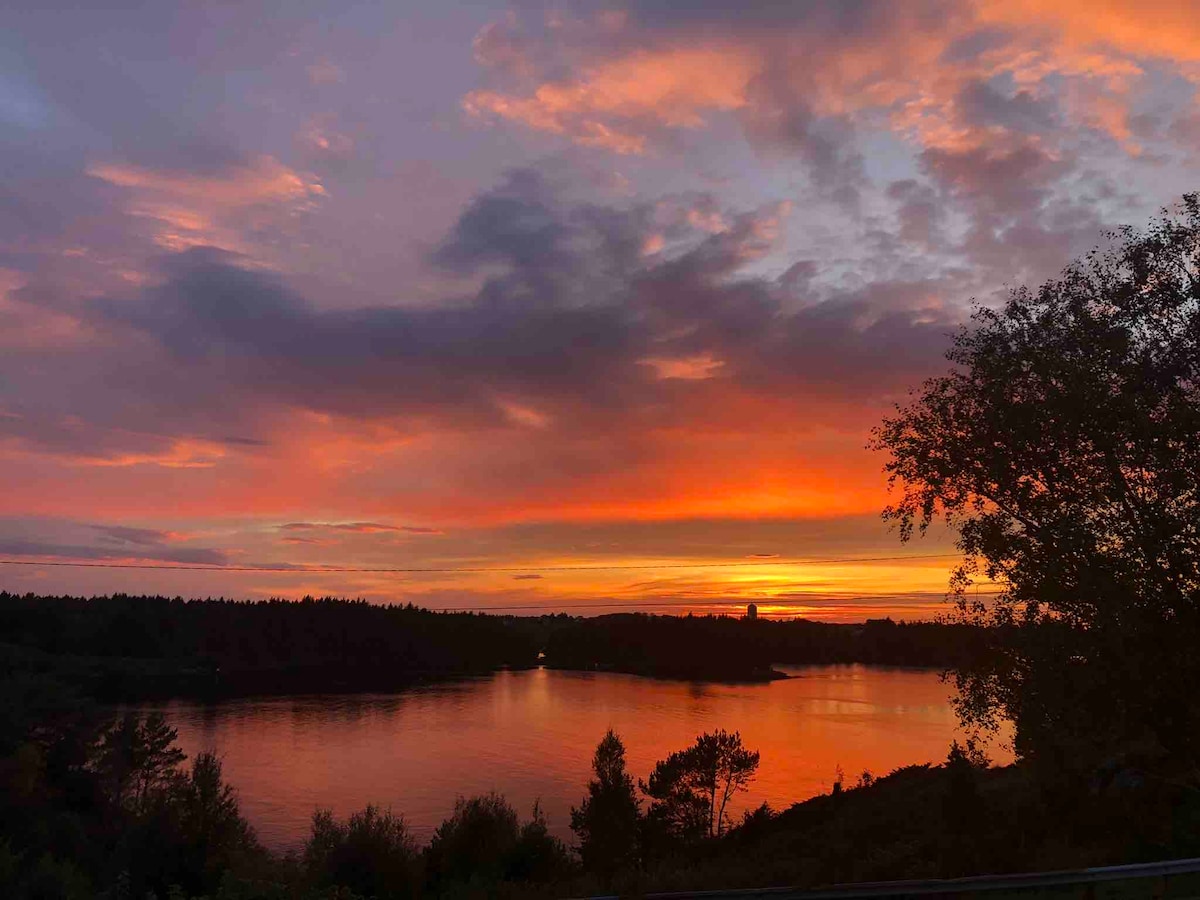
column 91, row 807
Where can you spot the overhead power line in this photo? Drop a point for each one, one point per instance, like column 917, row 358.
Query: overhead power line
column 641, row 604
column 416, row 570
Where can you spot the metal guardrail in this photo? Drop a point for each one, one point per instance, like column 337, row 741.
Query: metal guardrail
column 1160, row 873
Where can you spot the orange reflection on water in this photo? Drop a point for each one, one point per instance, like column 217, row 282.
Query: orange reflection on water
column 530, row 735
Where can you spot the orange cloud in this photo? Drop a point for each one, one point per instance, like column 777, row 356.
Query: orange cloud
column 166, row 453
column 181, row 454
column 674, row 86
column 688, row 368
column 448, row 478
column 622, row 97
column 1165, row 29
column 187, row 209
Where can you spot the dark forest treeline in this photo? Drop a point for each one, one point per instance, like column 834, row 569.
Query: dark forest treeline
column 130, row 646
column 134, row 645
column 721, row 647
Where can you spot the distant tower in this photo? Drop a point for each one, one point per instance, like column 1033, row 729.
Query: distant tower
column 751, row 612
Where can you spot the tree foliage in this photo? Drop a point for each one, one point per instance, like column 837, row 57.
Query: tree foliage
column 690, row 789
column 138, row 758
column 372, row 853
column 483, row 843
column 606, row 822
column 1062, row 447
column 90, row 807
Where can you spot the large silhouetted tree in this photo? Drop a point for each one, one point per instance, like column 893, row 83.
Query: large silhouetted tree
column 691, row 788
column 1064, row 448
column 606, row 822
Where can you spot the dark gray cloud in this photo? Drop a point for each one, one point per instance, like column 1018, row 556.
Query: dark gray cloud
column 1005, row 181
column 983, row 104
column 920, row 212
column 847, row 19
column 100, row 542
column 826, row 145
column 195, row 556
column 142, row 537
column 568, row 315
column 1022, row 224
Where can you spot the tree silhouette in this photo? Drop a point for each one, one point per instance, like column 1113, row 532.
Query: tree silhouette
column 372, row 853
column 691, row 788
column 1063, row 449
column 607, row 819
column 138, row 756
column 476, row 840
column 484, row 843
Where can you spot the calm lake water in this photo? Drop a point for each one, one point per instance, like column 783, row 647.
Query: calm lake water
column 531, row 734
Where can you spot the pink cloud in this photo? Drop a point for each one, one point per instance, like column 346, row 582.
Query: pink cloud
column 186, row 209
column 609, row 105
column 898, row 65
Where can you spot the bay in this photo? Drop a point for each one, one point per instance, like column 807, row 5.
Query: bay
column 530, row 735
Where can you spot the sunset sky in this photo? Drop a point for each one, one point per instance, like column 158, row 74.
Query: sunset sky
column 531, row 287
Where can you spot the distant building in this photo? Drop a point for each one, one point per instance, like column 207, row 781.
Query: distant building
column 752, row 612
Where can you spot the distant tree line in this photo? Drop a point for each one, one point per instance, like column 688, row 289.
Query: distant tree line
column 723, row 647
column 129, row 646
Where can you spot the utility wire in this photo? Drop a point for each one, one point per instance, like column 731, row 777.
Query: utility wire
column 638, row 605
column 333, row 570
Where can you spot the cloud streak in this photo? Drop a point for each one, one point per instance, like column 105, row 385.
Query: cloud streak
column 358, row 527
column 186, row 210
